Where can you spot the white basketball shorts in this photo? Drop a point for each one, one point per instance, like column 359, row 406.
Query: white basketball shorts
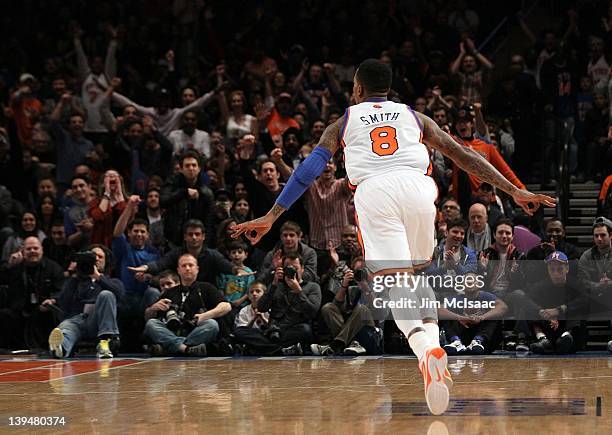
column 395, row 215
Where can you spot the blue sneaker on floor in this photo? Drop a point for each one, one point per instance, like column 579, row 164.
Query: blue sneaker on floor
column 455, row 347
column 475, row 347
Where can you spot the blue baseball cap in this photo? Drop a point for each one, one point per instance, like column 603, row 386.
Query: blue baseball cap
column 557, row 256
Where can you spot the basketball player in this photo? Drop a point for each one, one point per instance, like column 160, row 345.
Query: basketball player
column 387, row 161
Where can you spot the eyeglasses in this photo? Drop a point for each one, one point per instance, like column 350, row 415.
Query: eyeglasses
column 450, row 207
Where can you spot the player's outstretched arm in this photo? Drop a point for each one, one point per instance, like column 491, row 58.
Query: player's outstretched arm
column 472, row 162
column 300, row 180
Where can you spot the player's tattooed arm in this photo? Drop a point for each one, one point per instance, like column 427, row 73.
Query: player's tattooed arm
column 465, row 157
column 276, row 210
column 330, row 139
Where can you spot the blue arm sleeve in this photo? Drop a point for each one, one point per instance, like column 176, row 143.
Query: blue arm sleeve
column 303, row 176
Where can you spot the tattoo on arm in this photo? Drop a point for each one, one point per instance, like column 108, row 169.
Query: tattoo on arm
column 277, row 210
column 329, row 139
column 465, row 157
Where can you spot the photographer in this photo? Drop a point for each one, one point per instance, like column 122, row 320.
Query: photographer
column 187, row 314
column 293, row 304
column 348, row 319
column 88, row 303
column 30, row 278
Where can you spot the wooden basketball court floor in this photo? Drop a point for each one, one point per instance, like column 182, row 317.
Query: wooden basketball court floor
column 297, row 395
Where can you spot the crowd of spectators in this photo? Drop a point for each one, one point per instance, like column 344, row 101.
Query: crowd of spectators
column 134, row 135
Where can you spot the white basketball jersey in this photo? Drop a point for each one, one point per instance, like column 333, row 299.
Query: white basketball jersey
column 382, row 136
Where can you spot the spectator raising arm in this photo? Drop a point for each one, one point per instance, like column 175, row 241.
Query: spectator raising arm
column 123, row 101
column 110, row 63
column 126, row 216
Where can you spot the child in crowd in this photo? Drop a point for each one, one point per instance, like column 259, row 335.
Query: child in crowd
column 249, row 316
column 168, row 279
column 233, row 286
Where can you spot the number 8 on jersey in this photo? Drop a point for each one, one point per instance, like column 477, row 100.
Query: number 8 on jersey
column 384, row 140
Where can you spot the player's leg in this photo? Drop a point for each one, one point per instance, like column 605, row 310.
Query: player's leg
column 387, row 254
column 419, row 222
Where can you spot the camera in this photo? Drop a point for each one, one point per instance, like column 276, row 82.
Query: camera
column 273, row 332
column 173, row 318
column 360, row 275
column 85, row 262
column 290, row 272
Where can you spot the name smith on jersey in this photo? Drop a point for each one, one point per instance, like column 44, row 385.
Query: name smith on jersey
column 375, row 118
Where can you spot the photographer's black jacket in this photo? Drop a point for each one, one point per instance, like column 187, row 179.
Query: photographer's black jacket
column 210, row 262
column 288, row 308
column 44, row 279
column 78, row 291
column 200, row 297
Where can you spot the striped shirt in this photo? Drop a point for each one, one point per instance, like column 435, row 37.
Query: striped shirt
column 327, row 212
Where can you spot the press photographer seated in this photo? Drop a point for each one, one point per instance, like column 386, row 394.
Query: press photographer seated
column 184, row 319
column 293, row 304
column 348, row 317
column 88, row 303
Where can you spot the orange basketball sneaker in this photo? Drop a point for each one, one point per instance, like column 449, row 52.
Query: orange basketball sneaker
column 448, row 380
column 435, row 380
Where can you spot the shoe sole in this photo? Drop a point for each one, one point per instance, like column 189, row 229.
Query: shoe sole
column 448, row 380
column 436, row 391
column 56, row 339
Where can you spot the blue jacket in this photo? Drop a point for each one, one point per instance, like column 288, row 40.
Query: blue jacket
column 467, row 262
column 79, row 291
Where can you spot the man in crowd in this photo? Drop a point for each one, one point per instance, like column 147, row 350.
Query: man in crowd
column 500, row 262
column 77, row 222
column 198, row 307
column 478, row 236
column 293, row 304
column 290, row 244
column 72, row 148
column 189, row 137
column 211, row 263
column 88, row 301
column 349, row 319
column 452, row 256
column 30, row 279
column 476, row 326
column 186, row 196
column 133, row 251
column 595, row 264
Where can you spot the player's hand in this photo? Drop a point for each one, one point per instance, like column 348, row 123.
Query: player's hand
column 530, row 202
column 253, row 230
